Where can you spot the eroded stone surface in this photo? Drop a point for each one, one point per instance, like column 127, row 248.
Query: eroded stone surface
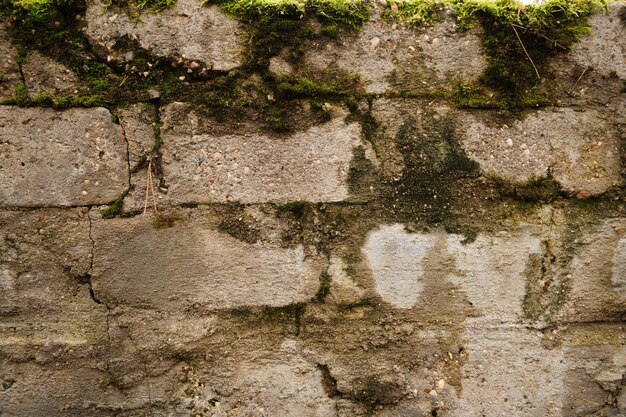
column 138, row 121
column 189, row 31
column 9, row 71
column 60, row 158
column 580, row 149
column 490, row 271
column 391, row 57
column 597, row 275
column 605, row 49
column 43, row 75
column 312, row 165
column 44, row 298
column 134, row 263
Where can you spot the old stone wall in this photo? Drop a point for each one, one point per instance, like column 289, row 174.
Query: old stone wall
column 205, row 213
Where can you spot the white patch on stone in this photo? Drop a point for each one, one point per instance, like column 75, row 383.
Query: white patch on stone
column 619, row 267
column 395, row 259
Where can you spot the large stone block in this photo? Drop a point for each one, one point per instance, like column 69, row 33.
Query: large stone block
column 312, row 165
column 45, row 256
column 188, row 31
column 60, row 158
column 580, row 149
column 391, row 57
column 510, row 373
column 192, row 263
column 489, row 272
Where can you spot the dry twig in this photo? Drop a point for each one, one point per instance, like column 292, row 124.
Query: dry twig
column 525, row 51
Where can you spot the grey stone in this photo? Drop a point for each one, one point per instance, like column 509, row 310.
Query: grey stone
column 9, row 71
column 597, row 275
column 279, row 66
column 605, row 49
column 138, row 121
column 510, row 373
column 580, row 149
column 189, row 31
column 60, row 158
column 396, row 58
column 312, row 165
column 490, row 271
column 134, row 263
column 45, row 305
column 43, row 75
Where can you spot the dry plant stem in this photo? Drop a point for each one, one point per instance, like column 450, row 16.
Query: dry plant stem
column 526, row 52
column 145, row 203
column 154, row 202
column 581, row 77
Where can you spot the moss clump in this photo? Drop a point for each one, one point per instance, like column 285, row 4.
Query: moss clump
column 274, row 26
column 22, row 99
column 519, row 39
column 351, row 13
column 303, row 87
column 416, row 12
column 114, row 209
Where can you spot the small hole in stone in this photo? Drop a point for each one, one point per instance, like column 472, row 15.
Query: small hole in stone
column 23, row 164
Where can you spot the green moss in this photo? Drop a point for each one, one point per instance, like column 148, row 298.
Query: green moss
column 288, row 86
column 518, row 40
column 351, row 13
column 58, row 102
column 114, row 209
column 416, row 12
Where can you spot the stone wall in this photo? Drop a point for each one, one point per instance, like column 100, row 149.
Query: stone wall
column 361, row 228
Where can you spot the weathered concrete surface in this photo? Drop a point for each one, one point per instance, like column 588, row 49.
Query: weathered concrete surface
column 605, row 49
column 134, row 263
column 396, row 58
column 580, row 149
column 598, row 276
column 60, row 158
column 312, row 165
column 189, row 32
column 510, row 373
column 9, row 70
column 45, row 305
column 44, row 75
column 139, row 123
column 489, row 272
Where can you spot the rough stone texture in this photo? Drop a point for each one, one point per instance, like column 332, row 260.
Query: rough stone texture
column 60, row 158
column 580, row 149
column 189, row 32
column 598, row 276
column 43, row 75
column 490, row 271
column 9, row 70
column 397, row 58
column 311, row 166
column 361, row 265
column 138, row 121
column 605, row 49
column 134, row 262
column 44, row 258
